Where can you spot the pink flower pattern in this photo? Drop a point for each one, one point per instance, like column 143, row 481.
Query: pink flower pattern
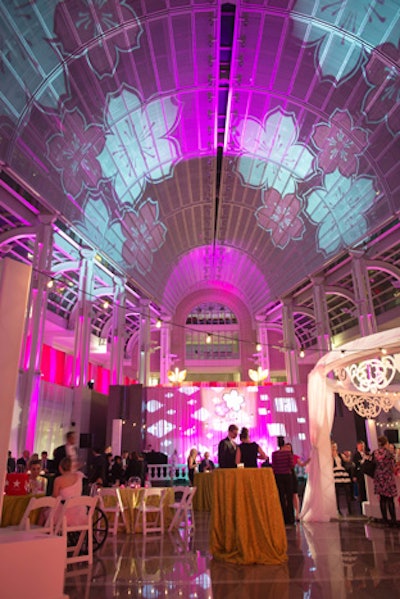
column 280, row 216
column 73, row 152
column 382, row 101
column 78, row 22
column 340, row 144
column 145, row 235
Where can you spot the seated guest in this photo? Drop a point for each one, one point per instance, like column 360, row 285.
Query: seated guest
column 98, row 473
column 22, row 462
column 69, row 484
column 136, row 467
column 248, row 452
column 11, row 464
column 206, row 465
column 47, row 465
column 37, row 483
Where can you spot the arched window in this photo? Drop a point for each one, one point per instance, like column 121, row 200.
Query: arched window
column 212, row 333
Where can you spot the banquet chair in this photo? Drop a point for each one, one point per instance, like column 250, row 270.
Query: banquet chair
column 75, row 523
column 151, row 510
column 116, row 507
column 44, row 523
column 183, row 507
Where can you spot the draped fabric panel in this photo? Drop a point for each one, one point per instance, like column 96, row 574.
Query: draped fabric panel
column 54, row 416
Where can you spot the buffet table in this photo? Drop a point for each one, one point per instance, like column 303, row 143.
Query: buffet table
column 203, row 496
column 247, row 525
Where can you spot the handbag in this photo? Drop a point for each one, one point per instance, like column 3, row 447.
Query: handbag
column 368, row 467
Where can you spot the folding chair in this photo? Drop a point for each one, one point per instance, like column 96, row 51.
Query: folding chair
column 32, row 520
column 110, row 502
column 151, row 510
column 183, row 507
column 75, row 523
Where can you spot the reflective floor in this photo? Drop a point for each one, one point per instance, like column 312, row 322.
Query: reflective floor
column 347, row 558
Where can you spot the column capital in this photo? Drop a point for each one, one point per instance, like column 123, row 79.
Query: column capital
column 87, row 253
column 46, row 219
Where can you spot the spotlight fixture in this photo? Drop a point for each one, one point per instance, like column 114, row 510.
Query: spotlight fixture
column 90, row 384
column 106, row 304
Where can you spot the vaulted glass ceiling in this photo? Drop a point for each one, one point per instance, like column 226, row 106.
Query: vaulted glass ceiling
column 238, row 146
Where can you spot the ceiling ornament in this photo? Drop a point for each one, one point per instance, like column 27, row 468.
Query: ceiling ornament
column 371, row 378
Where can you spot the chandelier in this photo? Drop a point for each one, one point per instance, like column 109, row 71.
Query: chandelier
column 370, row 379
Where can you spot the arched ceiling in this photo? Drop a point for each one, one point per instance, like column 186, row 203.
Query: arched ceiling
column 244, row 144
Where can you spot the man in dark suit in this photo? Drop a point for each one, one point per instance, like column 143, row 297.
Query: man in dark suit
column 206, row 465
column 67, row 450
column 11, row 464
column 227, row 448
column 22, row 462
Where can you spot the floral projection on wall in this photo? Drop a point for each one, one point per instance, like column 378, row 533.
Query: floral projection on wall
column 184, row 417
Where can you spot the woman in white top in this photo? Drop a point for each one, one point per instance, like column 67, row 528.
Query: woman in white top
column 69, row 484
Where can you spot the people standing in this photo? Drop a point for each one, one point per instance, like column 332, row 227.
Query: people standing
column 384, row 480
column 191, row 464
column 248, row 451
column 342, row 477
column 68, row 450
column 11, row 463
column 359, row 457
column 297, row 462
column 282, row 465
column 227, row 448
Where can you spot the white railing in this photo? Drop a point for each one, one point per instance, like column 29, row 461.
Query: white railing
column 159, row 473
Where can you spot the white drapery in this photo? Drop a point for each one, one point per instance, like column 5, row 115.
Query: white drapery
column 319, row 503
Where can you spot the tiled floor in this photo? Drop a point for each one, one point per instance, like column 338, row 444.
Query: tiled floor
column 347, row 558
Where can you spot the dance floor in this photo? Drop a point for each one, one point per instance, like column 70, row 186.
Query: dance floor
column 344, row 558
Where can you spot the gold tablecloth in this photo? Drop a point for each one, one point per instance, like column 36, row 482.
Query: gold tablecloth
column 131, row 499
column 203, row 496
column 247, row 525
column 14, row 507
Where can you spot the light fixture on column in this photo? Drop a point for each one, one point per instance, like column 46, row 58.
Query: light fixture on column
column 302, row 353
column 258, row 347
column 208, row 338
column 176, row 375
column 158, row 323
column 259, row 375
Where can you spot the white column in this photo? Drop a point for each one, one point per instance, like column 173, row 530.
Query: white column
column 117, row 332
column 262, row 339
column 80, row 369
column 165, row 349
column 321, row 316
column 144, row 343
column 289, row 341
column 362, row 291
column 29, row 384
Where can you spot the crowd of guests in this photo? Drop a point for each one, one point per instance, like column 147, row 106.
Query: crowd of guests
column 349, row 470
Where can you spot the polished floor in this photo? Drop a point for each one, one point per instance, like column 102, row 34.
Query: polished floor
column 346, row 558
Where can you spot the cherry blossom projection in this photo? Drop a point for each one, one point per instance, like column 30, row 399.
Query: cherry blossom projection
column 340, row 208
column 382, row 101
column 271, row 153
column 340, row 144
column 184, row 417
column 93, row 28
column 280, row 216
column 342, row 32
column 130, row 237
column 139, row 146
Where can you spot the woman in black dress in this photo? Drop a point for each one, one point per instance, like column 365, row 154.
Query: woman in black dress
column 248, row 452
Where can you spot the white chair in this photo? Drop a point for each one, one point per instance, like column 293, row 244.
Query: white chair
column 46, row 520
column 75, row 523
column 112, row 505
column 183, row 507
column 151, row 510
